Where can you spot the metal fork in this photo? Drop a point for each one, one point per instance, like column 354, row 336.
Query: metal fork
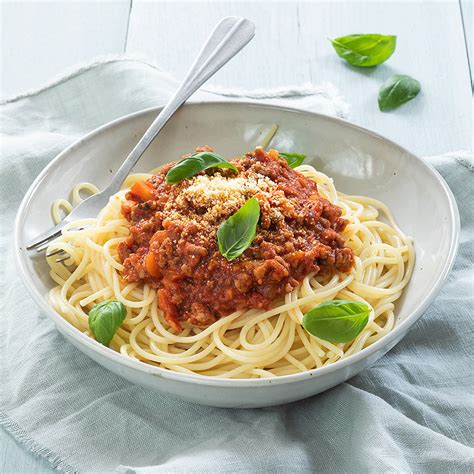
column 229, row 36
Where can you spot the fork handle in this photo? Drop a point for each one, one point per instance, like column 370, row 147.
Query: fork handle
column 229, row 36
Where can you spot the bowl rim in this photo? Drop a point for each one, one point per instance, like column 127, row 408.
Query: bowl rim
column 103, row 351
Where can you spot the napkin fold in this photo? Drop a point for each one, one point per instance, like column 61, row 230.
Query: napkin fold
column 412, row 411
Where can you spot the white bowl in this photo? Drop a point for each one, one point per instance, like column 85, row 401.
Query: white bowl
column 360, row 162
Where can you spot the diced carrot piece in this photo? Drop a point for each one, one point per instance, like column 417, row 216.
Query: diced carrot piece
column 151, row 265
column 158, row 237
column 142, row 191
column 273, row 154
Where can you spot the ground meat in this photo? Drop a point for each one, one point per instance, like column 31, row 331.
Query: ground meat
column 173, row 243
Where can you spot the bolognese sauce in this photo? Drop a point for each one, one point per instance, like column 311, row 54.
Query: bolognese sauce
column 173, row 244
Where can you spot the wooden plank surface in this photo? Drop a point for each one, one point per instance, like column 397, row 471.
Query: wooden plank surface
column 467, row 12
column 41, row 38
column 14, row 459
column 291, row 47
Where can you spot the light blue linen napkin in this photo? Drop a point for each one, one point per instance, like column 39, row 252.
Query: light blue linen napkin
column 411, row 412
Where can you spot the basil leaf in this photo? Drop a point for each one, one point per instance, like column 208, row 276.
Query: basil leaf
column 194, row 164
column 293, row 159
column 105, row 318
column 365, row 50
column 398, row 90
column 337, row 320
column 236, row 234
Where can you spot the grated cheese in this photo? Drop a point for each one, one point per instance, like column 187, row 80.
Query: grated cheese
column 219, row 195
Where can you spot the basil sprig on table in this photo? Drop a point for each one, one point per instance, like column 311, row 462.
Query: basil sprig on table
column 365, row 50
column 293, row 159
column 194, row 164
column 337, row 320
column 399, row 89
column 236, row 234
column 105, row 318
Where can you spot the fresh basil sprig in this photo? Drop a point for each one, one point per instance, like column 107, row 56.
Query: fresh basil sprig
column 399, row 89
column 105, row 318
column 365, row 50
column 194, row 164
column 293, row 159
column 236, row 234
column 337, row 320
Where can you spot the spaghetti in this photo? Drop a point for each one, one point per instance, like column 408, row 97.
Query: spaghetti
column 245, row 344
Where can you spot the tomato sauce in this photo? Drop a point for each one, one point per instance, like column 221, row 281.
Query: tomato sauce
column 173, row 243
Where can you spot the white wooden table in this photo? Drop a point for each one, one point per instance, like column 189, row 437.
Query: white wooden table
column 41, row 39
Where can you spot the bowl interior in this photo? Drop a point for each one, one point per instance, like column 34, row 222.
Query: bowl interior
column 360, row 163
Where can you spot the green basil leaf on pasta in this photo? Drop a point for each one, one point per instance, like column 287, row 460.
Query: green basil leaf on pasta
column 236, row 234
column 337, row 320
column 293, row 159
column 196, row 163
column 365, row 50
column 399, row 89
column 105, row 318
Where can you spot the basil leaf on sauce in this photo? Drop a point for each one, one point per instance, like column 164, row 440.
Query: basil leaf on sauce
column 236, row 234
column 365, row 50
column 293, row 159
column 337, row 320
column 105, row 318
column 397, row 90
column 197, row 162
